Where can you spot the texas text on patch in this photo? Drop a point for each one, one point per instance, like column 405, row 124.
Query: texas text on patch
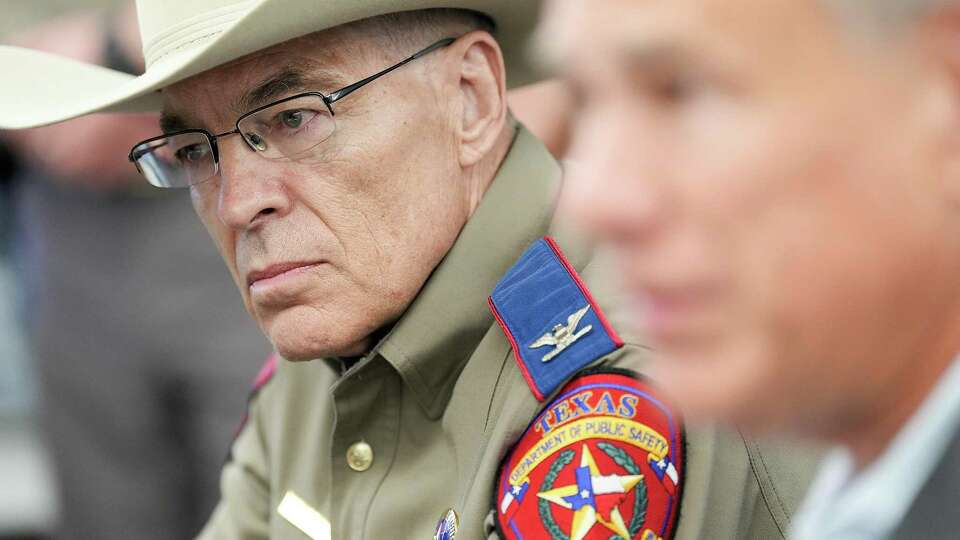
column 605, row 459
column 550, row 318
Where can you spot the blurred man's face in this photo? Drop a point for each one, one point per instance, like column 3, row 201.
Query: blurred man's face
column 327, row 249
column 776, row 190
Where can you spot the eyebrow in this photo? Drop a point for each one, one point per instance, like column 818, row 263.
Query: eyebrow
column 292, row 78
column 653, row 56
column 171, row 122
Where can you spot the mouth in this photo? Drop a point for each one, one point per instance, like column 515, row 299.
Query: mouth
column 278, row 272
column 667, row 314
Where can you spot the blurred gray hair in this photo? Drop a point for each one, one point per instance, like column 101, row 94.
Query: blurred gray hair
column 884, row 13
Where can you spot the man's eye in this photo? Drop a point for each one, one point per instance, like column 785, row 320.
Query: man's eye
column 192, row 153
column 673, row 89
column 667, row 87
column 295, row 118
column 291, row 119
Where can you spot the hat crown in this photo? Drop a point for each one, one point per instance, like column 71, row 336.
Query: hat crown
column 170, row 26
column 182, row 38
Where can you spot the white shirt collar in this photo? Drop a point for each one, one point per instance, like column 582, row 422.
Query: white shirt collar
column 870, row 504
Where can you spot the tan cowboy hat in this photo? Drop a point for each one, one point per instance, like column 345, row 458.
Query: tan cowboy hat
column 184, row 37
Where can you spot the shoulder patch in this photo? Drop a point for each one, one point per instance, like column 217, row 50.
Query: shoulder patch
column 605, row 459
column 550, row 318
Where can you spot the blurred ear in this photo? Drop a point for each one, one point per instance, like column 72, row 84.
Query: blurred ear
column 482, row 95
column 940, row 31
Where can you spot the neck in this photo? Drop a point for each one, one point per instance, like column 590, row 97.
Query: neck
column 883, row 425
column 890, row 411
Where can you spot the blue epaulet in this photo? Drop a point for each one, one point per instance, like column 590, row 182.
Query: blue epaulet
column 550, row 318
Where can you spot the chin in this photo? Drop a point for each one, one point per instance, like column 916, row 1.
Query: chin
column 296, row 353
column 720, row 383
column 301, row 334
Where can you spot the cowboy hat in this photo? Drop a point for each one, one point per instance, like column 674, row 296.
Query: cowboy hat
column 182, row 38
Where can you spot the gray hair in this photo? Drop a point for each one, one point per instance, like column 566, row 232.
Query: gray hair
column 884, row 14
column 433, row 23
column 410, row 30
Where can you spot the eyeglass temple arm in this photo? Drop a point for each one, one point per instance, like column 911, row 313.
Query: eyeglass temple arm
column 347, row 90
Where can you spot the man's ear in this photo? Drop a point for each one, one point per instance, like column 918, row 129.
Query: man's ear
column 940, row 40
column 482, row 93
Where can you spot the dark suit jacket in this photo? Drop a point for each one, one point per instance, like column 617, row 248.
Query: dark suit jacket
column 935, row 514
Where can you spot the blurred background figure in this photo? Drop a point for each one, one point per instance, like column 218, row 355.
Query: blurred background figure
column 141, row 346
column 780, row 180
column 27, row 497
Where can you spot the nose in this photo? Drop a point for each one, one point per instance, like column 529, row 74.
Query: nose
column 251, row 188
column 613, row 186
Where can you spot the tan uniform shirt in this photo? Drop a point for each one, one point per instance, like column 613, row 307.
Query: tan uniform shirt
column 441, row 400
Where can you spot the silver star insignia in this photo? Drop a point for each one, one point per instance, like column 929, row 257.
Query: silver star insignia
column 563, row 336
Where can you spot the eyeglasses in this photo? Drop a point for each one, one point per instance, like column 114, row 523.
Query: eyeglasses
column 286, row 128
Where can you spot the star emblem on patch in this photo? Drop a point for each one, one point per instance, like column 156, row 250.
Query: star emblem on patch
column 594, row 499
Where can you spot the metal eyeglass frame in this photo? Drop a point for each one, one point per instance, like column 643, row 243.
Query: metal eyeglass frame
column 328, row 100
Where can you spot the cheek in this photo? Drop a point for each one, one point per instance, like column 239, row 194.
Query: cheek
column 798, row 221
column 746, row 216
column 388, row 206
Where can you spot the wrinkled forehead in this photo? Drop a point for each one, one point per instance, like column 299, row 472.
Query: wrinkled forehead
column 323, row 61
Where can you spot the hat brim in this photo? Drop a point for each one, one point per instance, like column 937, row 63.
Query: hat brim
column 45, row 89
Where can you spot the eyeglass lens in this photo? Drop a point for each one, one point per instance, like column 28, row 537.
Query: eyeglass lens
column 288, row 129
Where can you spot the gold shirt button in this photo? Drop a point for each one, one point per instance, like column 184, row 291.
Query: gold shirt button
column 360, row 456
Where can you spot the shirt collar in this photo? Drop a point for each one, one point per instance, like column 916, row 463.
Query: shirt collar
column 433, row 340
column 871, row 503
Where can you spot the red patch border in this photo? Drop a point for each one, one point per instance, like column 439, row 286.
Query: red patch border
column 264, row 376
